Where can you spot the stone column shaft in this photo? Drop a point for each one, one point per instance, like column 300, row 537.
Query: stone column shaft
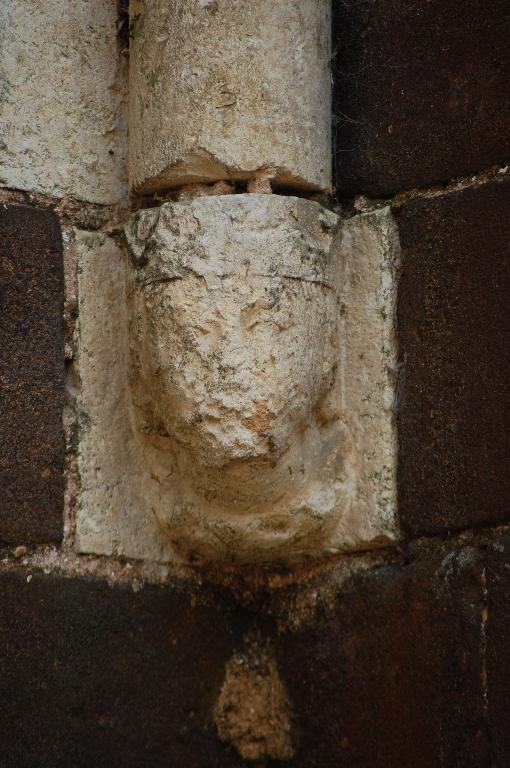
column 232, row 89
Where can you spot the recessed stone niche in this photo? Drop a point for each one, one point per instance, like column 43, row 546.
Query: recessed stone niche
column 237, row 369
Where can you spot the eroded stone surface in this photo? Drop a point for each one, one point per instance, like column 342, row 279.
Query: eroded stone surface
column 393, row 676
column 101, row 675
column 253, row 712
column 258, row 420
column 497, row 636
column 229, row 90
column 63, row 99
column 112, row 516
column 391, row 672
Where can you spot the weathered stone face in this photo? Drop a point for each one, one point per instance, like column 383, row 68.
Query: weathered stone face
column 245, row 377
column 236, row 336
column 237, row 393
column 234, row 355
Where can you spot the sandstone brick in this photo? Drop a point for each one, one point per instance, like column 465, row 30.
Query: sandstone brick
column 454, row 333
column 99, row 675
column 390, row 674
column 63, row 90
column 421, row 92
column 31, row 376
column 393, row 676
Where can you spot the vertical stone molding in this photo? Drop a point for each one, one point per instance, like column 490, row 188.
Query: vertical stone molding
column 112, row 518
column 233, row 89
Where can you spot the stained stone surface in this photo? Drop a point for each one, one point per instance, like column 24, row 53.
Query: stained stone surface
column 454, row 333
column 248, row 414
column 63, row 92
column 421, row 92
column 389, row 671
column 234, row 89
column 393, row 675
column 103, row 676
column 31, row 376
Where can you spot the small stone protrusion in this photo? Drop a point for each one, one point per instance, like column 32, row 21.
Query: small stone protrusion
column 260, row 185
column 253, row 712
column 19, row 552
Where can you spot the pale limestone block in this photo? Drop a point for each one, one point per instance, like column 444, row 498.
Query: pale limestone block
column 113, row 517
column 233, row 89
column 237, row 388
column 369, row 260
column 63, row 99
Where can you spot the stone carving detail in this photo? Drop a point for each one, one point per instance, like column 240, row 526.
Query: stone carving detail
column 237, row 381
column 233, row 368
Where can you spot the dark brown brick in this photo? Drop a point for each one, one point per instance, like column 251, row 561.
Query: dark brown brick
column 454, row 388
column 498, row 657
column 93, row 675
column 422, row 92
column 31, row 375
column 393, row 678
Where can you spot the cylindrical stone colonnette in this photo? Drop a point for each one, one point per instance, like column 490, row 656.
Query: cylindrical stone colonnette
column 229, row 89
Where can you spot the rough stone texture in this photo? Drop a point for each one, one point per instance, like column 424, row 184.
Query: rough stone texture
column 31, row 376
column 247, row 431
column 99, row 675
column 454, row 332
column 234, row 356
column 253, row 711
column 393, row 677
column 422, row 92
column 390, row 675
column 497, row 669
column 108, row 456
column 231, row 89
column 63, row 124
column 369, row 258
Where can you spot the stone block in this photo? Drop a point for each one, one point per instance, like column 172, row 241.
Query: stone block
column 392, row 675
column 497, row 637
column 389, row 673
column 230, row 90
column 421, row 92
column 112, row 517
column 248, row 415
column 454, row 333
column 31, row 376
column 63, row 97
column 100, row 675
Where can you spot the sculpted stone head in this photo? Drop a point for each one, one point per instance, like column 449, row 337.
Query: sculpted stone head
column 234, row 342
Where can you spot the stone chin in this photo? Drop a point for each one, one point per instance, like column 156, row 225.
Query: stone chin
column 234, row 348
